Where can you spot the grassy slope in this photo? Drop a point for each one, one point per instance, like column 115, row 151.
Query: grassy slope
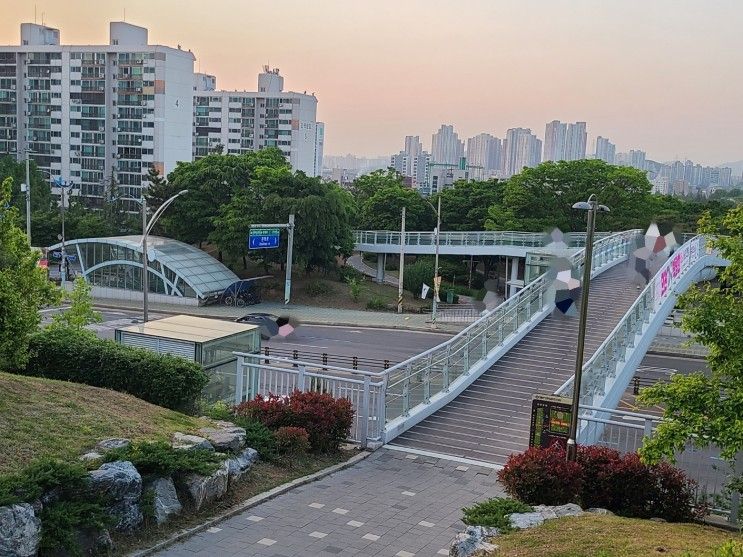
column 609, row 536
column 42, row 417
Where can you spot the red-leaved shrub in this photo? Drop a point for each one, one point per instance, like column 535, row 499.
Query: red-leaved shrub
column 600, row 477
column 292, row 441
column 541, row 476
column 327, row 420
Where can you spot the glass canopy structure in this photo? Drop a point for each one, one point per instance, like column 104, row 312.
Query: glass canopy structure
column 175, row 268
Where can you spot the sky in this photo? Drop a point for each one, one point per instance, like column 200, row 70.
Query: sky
column 665, row 76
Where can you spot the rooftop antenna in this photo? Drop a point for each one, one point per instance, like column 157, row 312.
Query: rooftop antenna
column 42, row 18
column 124, row 14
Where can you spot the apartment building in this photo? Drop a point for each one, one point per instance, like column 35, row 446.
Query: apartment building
column 89, row 113
column 241, row 121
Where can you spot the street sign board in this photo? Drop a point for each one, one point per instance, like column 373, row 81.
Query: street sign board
column 550, row 420
column 263, row 238
column 72, row 258
column 57, row 254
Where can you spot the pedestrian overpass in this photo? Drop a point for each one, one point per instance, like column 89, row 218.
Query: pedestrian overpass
column 470, row 396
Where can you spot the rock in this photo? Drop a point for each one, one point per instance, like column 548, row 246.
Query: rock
column 121, row 484
column 190, row 442
column 90, row 456
column 20, row 531
column 165, row 501
column 227, row 438
column 599, row 510
column 112, row 443
column 239, row 465
column 658, row 519
column 570, row 509
column 202, row 490
column 94, row 542
column 522, row 521
column 473, row 542
column 546, row 511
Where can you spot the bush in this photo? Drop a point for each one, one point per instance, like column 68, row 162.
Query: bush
column 258, row 437
column 79, row 356
column 416, row 275
column 317, row 288
column 493, row 513
column 292, row 441
column 61, row 521
column 40, row 476
column 730, row 548
column 354, row 288
column 160, row 459
column 541, row 476
column 600, row 477
column 346, row 272
column 327, row 420
column 376, row 304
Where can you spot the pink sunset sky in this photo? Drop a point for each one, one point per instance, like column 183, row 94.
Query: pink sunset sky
column 665, row 76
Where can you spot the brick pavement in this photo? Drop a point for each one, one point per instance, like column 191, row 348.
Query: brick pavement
column 390, row 504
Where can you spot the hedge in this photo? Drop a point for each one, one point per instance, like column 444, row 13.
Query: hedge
column 81, row 357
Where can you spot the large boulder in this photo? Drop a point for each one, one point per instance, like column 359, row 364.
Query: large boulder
column 20, row 531
column 111, row 444
column 165, row 499
column 200, row 490
column 238, row 466
column 190, row 442
column 473, row 542
column 521, row 521
column 226, row 438
column 120, row 483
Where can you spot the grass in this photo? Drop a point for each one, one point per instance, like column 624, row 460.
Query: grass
column 611, row 536
column 262, row 477
column 44, row 417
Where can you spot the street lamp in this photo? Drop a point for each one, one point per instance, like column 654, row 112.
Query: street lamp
column 436, row 281
column 62, row 185
column 146, row 229
column 28, row 194
column 592, row 206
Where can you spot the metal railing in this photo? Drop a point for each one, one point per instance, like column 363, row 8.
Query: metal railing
column 324, row 358
column 408, row 387
column 601, row 369
column 479, row 238
column 414, row 381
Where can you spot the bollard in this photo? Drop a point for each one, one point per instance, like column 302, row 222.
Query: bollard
column 295, row 356
column 636, row 388
column 355, row 362
column 324, row 361
column 267, row 353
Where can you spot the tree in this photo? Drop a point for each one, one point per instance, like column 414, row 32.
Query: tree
column 465, row 205
column 367, row 185
column 382, row 211
column 81, row 312
column 708, row 409
column 541, row 198
column 24, row 287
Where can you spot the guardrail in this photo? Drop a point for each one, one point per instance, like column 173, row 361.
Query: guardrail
column 390, row 401
column 479, row 238
column 601, row 371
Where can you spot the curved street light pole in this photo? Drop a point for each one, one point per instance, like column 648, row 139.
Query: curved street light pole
column 146, row 229
column 592, row 206
column 436, row 281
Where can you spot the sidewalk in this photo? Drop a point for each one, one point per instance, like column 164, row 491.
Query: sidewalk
column 303, row 314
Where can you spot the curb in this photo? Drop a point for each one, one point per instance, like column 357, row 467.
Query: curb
column 309, row 322
column 252, row 502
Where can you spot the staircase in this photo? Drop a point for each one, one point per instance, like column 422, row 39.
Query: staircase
column 490, row 419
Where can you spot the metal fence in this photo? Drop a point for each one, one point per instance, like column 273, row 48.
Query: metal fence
column 625, row 432
column 480, row 238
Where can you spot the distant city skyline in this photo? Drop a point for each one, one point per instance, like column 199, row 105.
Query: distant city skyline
column 380, row 78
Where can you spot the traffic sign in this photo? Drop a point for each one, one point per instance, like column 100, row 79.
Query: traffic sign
column 56, row 254
column 263, row 238
column 72, row 258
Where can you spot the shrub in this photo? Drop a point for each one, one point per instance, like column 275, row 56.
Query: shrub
column 599, row 485
column 292, row 441
column 259, row 437
column 219, row 410
column 317, row 288
column 327, row 420
column 61, row 521
column 40, row 476
column 79, row 356
column 160, row 459
column 345, row 273
column 673, row 495
column 416, row 275
column 354, row 288
column 493, row 512
column 730, row 548
column 376, row 304
column 541, row 476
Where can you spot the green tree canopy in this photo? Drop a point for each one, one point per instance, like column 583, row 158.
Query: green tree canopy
column 367, row 185
column 81, row 312
column 708, row 409
column 382, row 211
column 24, row 287
column 465, row 205
column 541, row 198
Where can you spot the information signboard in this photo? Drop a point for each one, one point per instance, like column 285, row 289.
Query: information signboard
column 263, row 238
column 550, row 420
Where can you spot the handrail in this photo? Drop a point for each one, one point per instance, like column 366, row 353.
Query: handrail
column 470, row 238
column 598, row 367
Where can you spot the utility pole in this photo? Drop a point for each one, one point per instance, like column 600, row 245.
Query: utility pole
column 436, row 281
column 28, row 196
column 145, row 265
column 64, row 255
column 289, row 257
column 402, row 262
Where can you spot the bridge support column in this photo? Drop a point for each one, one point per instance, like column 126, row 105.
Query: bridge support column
column 380, row 268
column 513, row 280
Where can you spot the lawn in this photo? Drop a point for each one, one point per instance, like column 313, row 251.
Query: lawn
column 611, row 536
column 43, row 417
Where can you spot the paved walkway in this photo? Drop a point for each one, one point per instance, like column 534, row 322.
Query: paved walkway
column 304, row 314
column 390, row 504
column 357, row 262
